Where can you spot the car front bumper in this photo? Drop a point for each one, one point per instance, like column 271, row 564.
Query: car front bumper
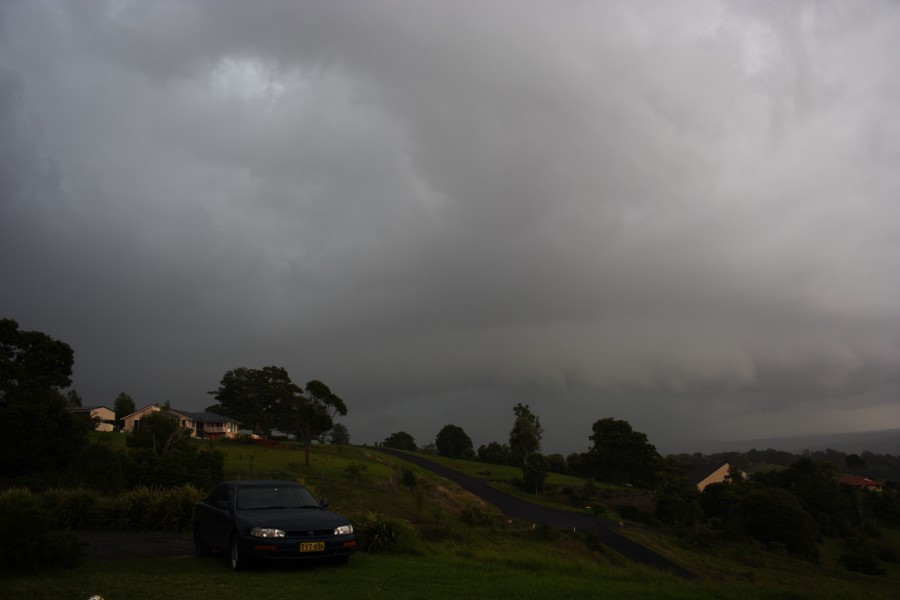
column 294, row 548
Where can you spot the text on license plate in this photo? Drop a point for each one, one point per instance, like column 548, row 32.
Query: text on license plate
column 312, row 547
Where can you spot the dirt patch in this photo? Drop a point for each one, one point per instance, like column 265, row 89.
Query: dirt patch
column 135, row 544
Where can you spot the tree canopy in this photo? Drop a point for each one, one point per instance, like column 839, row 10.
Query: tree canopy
column 400, row 441
column 252, row 396
column 525, row 437
column 309, row 416
column 158, row 431
column 40, row 433
column 452, row 441
column 621, row 454
column 123, row 407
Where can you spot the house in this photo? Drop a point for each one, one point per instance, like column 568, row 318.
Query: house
column 201, row 424
column 104, row 419
column 704, row 475
column 872, row 485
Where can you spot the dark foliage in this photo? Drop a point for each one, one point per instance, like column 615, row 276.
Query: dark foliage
column 29, row 542
column 400, row 441
column 452, row 441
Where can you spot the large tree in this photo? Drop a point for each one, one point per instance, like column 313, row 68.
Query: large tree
column 123, row 406
column 622, row 455
column 308, row 416
column 253, row 396
column 525, row 437
column 452, row 441
column 39, row 433
column 401, row 441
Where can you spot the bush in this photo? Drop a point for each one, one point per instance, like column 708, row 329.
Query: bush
column 77, row 508
column 475, row 516
column 861, row 555
column 29, row 541
column 377, row 532
column 152, row 509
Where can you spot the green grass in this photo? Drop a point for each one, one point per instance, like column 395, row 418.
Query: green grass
column 492, row 565
column 448, row 558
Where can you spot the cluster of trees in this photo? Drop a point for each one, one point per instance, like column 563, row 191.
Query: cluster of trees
column 41, row 434
column 791, row 508
column 45, row 444
column 877, row 466
column 267, row 400
column 618, row 453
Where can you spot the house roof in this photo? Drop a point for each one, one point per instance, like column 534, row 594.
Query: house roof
column 859, row 481
column 82, row 408
column 206, row 417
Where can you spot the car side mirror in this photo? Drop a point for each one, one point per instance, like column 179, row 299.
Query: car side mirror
column 223, row 504
column 323, row 503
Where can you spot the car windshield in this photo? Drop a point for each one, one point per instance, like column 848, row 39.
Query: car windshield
column 274, row 496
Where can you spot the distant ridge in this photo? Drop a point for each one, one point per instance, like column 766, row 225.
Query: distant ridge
column 885, row 441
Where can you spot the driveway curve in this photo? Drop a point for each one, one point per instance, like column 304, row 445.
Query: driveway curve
column 522, row 510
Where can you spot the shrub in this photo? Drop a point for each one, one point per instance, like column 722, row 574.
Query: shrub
column 377, row 532
column 152, row 508
column 77, row 508
column 29, row 542
column 861, row 555
column 475, row 516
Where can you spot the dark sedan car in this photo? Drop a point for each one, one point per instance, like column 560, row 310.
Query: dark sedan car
column 278, row 520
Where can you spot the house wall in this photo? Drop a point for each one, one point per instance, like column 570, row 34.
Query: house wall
column 213, row 430
column 128, row 422
column 104, row 419
column 717, row 476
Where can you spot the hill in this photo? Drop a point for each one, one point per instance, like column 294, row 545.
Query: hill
column 886, row 441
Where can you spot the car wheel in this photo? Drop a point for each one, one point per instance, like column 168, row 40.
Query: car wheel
column 238, row 560
column 200, row 548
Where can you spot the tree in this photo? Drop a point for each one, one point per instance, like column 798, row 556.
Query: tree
column 400, row 441
column 39, row 433
column 494, row 454
column 311, row 415
column 622, row 455
column 452, row 441
column 526, row 433
column 854, row 462
column 252, row 396
column 158, row 431
column 123, row 407
column 73, row 398
column 339, row 435
column 535, row 471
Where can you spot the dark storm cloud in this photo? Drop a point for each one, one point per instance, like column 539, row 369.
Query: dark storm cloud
column 679, row 214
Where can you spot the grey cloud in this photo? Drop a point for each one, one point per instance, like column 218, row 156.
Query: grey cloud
column 678, row 214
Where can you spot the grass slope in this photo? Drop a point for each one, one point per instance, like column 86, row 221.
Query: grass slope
column 448, row 557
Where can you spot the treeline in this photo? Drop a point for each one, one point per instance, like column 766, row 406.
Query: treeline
column 884, row 467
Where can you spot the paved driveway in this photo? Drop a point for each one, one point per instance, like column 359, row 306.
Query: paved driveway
column 522, row 510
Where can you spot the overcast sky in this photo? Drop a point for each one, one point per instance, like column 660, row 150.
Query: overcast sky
column 682, row 214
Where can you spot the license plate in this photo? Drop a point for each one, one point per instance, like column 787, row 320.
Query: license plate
column 312, row 547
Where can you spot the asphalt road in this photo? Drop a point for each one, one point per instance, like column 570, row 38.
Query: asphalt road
column 522, row 510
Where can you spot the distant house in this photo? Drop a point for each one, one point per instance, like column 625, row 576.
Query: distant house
column 704, row 475
column 104, row 419
column 861, row 482
column 201, row 424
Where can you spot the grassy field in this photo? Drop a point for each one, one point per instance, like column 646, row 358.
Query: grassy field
column 447, row 557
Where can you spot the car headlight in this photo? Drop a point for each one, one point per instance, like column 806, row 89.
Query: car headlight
column 343, row 529
column 266, row 532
